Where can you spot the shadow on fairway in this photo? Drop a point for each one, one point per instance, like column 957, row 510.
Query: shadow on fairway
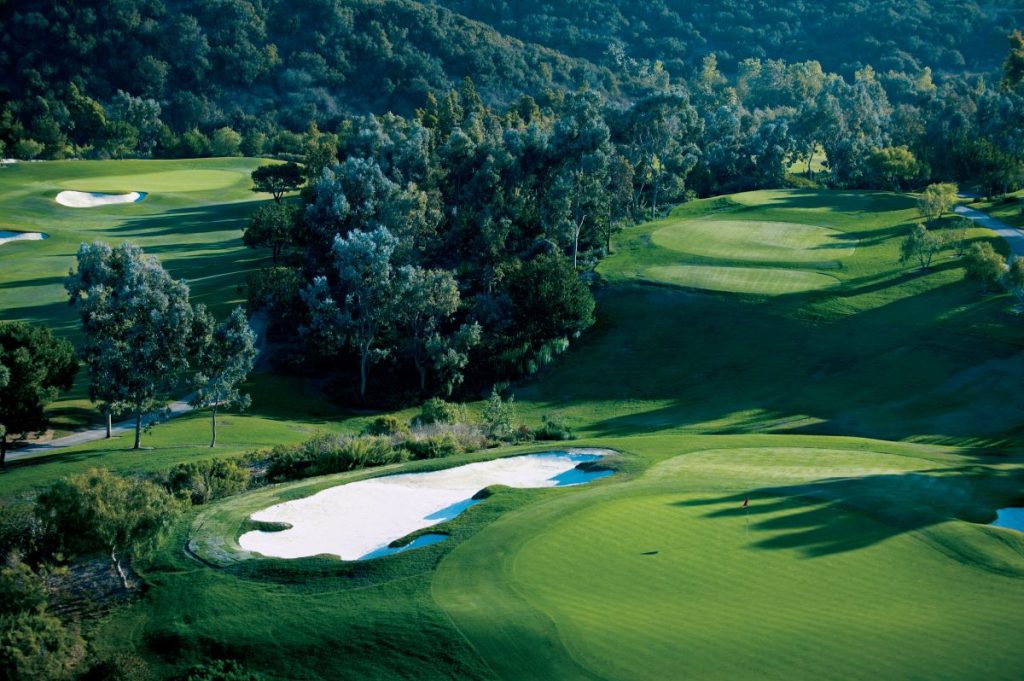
column 836, row 515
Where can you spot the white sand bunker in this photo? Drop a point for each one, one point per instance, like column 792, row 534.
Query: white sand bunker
column 94, row 199
column 7, row 237
column 359, row 520
column 1010, row 518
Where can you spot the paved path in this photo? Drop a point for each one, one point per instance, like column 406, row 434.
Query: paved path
column 1013, row 236
column 182, row 406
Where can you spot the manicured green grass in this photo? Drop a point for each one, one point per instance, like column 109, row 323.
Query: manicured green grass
column 857, row 563
column 757, row 241
column 753, row 280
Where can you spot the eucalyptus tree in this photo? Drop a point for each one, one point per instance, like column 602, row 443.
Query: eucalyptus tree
column 223, row 356
column 137, row 322
column 358, row 303
column 428, row 299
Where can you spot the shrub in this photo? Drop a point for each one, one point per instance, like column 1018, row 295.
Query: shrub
column 326, row 453
column 469, row 437
column 499, row 416
column 554, row 428
column 362, row 452
column 434, row 447
column 386, row 425
column 436, row 410
column 985, row 265
column 205, row 481
column 27, row 149
column 220, row 670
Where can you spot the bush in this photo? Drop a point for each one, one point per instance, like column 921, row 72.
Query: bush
column 434, row 447
column 386, row 425
column 983, row 264
column 220, row 670
column 204, row 481
column 326, row 453
column 361, row 452
column 500, row 416
column 436, row 410
column 27, row 149
column 20, row 530
column 554, row 428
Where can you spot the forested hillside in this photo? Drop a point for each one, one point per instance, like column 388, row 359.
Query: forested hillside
column 898, row 35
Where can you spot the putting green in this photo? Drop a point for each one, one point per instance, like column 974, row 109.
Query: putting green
column 851, row 568
column 755, row 280
column 757, row 241
column 165, row 181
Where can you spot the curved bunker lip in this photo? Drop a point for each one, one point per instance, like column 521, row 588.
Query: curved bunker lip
column 365, row 519
column 73, row 199
column 7, row 237
column 1011, row 518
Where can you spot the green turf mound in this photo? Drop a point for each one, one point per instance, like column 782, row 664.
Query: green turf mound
column 758, row 241
column 753, row 280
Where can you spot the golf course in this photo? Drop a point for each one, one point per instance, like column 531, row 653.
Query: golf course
column 808, row 441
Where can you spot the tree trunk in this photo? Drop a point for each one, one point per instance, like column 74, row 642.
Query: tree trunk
column 117, row 566
column 213, row 439
column 110, row 425
column 3, row 450
column 364, row 358
column 138, row 430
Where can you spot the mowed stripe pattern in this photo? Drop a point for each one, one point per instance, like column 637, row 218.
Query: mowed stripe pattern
column 661, row 577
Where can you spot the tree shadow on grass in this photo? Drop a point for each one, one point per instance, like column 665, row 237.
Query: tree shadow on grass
column 836, row 515
column 190, row 221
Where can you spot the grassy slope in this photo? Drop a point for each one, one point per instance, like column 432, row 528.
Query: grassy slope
column 853, row 566
column 886, row 352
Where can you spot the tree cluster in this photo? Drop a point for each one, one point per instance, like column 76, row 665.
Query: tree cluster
column 144, row 339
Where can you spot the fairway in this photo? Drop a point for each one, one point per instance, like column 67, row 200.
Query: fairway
column 176, row 181
column 846, row 552
column 753, row 280
column 758, row 241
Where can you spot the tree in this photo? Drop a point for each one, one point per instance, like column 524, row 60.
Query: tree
column 428, row 298
column 449, row 355
column 957, row 234
column 34, row 367
column 985, row 265
column 1013, row 68
column 277, row 179
column 222, row 359
column 936, row 200
column 548, row 300
column 367, row 290
column 920, row 245
column 499, row 416
column 137, row 322
column 894, row 167
column 1014, row 279
column 273, row 226
column 226, row 142
column 100, row 511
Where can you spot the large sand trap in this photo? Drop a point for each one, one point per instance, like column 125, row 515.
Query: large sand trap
column 1010, row 518
column 359, row 520
column 94, row 199
column 7, row 237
